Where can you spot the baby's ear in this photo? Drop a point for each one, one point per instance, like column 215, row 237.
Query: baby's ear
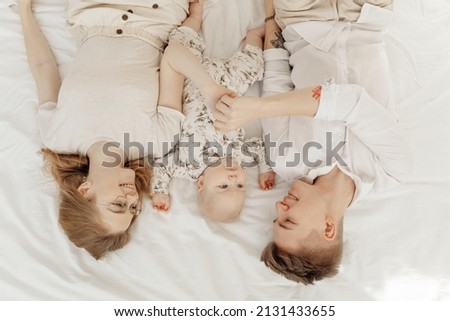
column 200, row 183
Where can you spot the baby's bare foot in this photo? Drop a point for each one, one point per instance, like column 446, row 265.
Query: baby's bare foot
column 196, row 9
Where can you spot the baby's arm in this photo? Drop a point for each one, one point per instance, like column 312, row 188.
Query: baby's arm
column 266, row 177
column 162, row 175
column 173, row 69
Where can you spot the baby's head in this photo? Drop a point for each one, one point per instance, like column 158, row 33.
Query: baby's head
column 221, row 191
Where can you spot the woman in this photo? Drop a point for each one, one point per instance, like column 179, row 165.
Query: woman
column 333, row 143
column 103, row 118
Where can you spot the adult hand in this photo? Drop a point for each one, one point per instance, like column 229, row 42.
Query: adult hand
column 235, row 112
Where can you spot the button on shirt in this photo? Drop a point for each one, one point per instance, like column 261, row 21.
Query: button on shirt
column 103, row 98
column 150, row 21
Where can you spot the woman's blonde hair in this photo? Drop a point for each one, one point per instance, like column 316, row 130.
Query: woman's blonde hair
column 77, row 216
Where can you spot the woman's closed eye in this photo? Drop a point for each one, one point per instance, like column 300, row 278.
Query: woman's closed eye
column 118, row 205
column 290, row 222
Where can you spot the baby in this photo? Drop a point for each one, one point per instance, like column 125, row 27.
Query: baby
column 215, row 160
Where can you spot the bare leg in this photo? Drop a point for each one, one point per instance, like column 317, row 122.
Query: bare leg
column 194, row 21
column 179, row 62
column 255, row 37
column 171, row 77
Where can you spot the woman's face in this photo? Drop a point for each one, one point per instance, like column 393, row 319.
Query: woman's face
column 114, row 192
column 299, row 213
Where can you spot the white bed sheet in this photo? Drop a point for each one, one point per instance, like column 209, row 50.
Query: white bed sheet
column 396, row 242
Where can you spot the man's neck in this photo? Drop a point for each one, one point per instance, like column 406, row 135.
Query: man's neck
column 337, row 188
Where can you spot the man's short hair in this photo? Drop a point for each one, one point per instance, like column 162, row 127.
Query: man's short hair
column 314, row 261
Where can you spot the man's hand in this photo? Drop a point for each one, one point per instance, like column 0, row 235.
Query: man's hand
column 233, row 113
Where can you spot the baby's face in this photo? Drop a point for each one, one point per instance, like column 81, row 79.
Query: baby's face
column 225, row 179
column 224, row 188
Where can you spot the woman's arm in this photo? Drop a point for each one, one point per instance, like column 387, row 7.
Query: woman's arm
column 40, row 58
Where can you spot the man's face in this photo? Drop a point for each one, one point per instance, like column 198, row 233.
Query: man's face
column 298, row 213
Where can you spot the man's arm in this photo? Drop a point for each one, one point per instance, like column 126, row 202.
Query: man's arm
column 40, row 58
column 273, row 36
column 374, row 126
column 232, row 113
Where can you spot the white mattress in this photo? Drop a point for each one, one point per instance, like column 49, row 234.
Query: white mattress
column 396, row 242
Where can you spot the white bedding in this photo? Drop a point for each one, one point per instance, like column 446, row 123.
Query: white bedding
column 396, row 242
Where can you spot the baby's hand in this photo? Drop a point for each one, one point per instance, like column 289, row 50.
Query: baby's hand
column 161, row 202
column 267, row 180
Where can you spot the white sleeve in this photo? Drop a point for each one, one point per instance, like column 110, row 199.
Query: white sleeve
column 371, row 123
column 277, row 80
column 277, row 72
column 45, row 118
column 166, row 126
column 255, row 147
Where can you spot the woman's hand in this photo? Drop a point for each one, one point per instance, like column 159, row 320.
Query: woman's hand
column 235, row 112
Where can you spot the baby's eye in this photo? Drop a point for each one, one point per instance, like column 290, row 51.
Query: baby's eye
column 223, row 186
column 240, row 185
